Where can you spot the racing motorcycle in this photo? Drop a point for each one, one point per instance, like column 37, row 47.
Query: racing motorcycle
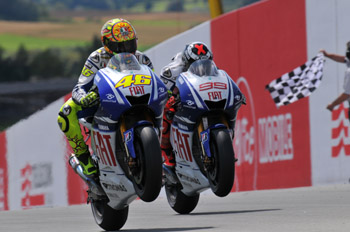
column 201, row 136
column 125, row 133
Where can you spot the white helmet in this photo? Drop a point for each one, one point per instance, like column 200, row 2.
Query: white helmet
column 196, row 51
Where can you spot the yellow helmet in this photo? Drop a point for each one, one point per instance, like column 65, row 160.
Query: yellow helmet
column 118, row 35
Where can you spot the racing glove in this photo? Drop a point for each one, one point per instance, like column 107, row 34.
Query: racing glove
column 91, row 99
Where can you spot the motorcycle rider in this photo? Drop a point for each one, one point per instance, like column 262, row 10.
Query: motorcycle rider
column 169, row 73
column 117, row 36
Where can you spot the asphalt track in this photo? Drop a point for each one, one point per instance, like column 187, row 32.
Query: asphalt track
column 323, row 208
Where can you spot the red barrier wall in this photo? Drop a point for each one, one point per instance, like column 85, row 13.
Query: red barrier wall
column 260, row 43
column 3, row 173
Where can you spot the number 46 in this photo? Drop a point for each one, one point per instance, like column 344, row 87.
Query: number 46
column 129, row 80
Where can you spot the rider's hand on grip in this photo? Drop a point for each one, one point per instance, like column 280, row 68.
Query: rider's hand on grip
column 90, row 99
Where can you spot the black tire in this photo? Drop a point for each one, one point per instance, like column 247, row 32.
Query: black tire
column 222, row 173
column 147, row 178
column 180, row 202
column 108, row 218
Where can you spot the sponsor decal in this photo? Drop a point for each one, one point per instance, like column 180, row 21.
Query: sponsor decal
column 204, row 136
column 67, row 109
column 264, row 144
column 128, row 136
column 190, row 104
column 31, row 180
column 216, row 95
column 181, row 126
column 103, row 127
column 189, row 178
column 110, row 98
column 137, row 90
column 104, row 149
column 114, row 187
column 167, row 73
column 275, row 138
column 42, row 175
column 182, row 144
column 95, row 57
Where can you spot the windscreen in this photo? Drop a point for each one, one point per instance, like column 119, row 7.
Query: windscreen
column 203, row 68
column 124, row 61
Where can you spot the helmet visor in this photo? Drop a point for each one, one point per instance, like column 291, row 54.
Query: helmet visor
column 203, row 68
column 126, row 46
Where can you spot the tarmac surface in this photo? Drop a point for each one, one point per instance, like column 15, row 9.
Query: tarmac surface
column 322, row 208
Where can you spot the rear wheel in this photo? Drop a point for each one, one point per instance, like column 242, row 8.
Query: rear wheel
column 108, row 218
column 147, row 175
column 180, row 202
column 221, row 172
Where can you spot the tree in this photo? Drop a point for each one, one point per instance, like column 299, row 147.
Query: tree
column 47, row 64
column 176, row 6
column 20, row 66
column 20, row 10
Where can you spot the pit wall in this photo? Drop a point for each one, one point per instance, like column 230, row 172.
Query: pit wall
column 301, row 144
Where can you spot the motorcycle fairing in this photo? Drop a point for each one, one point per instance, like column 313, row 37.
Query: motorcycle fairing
column 153, row 94
column 187, row 169
column 195, row 94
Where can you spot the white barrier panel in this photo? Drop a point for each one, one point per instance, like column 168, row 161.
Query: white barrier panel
column 328, row 28
column 36, row 165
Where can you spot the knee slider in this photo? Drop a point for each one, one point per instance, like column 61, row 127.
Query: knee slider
column 63, row 122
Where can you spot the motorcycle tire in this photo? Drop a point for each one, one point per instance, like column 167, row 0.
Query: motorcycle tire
column 147, row 179
column 221, row 175
column 180, row 202
column 108, row 218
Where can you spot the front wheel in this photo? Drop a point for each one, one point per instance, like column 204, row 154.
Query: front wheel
column 180, row 202
column 221, row 172
column 108, row 218
column 147, row 176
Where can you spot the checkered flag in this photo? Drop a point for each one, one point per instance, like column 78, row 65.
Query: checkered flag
column 299, row 83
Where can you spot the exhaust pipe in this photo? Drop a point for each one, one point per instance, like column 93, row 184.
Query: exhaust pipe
column 94, row 187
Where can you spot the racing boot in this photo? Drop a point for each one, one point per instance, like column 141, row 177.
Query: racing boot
column 87, row 164
column 168, row 158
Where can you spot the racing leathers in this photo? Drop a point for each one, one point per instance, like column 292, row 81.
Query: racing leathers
column 169, row 74
column 84, row 103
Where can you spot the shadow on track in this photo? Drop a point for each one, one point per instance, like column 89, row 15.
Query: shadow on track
column 233, row 212
column 170, row 229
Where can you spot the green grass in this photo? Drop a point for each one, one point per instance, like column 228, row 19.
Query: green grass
column 11, row 42
column 167, row 23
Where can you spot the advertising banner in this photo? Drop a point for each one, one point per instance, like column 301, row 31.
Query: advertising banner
column 255, row 45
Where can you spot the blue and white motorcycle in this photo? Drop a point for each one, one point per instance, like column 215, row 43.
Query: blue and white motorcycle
column 125, row 133
column 201, row 136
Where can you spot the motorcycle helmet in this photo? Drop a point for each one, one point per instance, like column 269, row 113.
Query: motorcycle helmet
column 118, row 35
column 196, row 51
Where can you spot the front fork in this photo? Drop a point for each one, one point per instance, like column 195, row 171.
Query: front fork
column 204, row 136
column 128, row 141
